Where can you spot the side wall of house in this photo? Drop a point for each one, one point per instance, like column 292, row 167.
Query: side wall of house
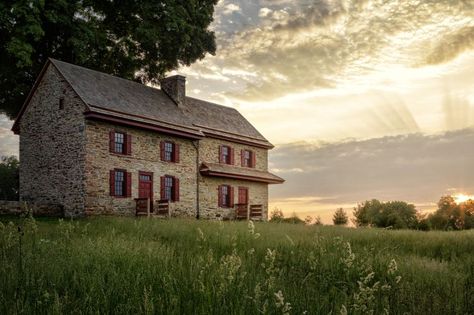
column 145, row 156
column 52, row 146
column 208, row 197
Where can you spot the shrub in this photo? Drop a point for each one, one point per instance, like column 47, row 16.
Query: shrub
column 340, row 217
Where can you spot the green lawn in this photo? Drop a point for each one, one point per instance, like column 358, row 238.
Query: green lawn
column 127, row 266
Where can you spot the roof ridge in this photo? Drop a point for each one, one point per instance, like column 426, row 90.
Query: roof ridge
column 109, row 75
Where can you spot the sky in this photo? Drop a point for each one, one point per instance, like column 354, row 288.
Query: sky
column 362, row 99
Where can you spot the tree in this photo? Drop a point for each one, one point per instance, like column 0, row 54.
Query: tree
column 365, row 213
column 137, row 40
column 317, row 221
column 9, row 182
column 395, row 214
column 340, row 217
column 276, row 215
column 452, row 216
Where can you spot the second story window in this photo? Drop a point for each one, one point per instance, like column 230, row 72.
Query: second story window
column 248, row 158
column 169, row 151
column 226, row 154
column 120, row 143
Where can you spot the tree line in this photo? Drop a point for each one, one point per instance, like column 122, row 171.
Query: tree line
column 449, row 215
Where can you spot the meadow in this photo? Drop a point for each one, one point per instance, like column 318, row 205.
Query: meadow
column 142, row 266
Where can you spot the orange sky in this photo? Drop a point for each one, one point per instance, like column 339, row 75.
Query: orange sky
column 363, row 99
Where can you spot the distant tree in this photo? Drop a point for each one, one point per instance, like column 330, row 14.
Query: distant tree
column 308, row 220
column 394, row 214
column 137, row 40
column 294, row 219
column 452, row 216
column 340, row 217
column 276, row 215
column 317, row 221
column 366, row 212
column 9, row 179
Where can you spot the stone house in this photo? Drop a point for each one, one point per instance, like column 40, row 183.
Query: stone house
column 94, row 143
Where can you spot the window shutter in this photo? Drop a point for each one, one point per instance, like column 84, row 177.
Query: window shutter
column 128, row 143
column 242, row 157
column 220, row 154
column 231, row 156
column 162, row 150
column 253, row 157
column 176, row 188
column 219, row 196
column 112, row 182
column 128, row 185
column 231, row 196
column 162, row 187
column 176, row 152
column 112, row 141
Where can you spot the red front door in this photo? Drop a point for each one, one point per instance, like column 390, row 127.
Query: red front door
column 243, row 195
column 145, row 187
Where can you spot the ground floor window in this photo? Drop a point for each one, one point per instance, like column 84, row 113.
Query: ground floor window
column 120, row 183
column 169, row 188
column 226, row 196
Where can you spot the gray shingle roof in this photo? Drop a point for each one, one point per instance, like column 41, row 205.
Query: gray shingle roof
column 116, row 96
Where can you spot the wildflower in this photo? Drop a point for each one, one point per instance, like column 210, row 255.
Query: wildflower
column 392, row 267
column 343, row 310
column 251, row 227
column 280, row 303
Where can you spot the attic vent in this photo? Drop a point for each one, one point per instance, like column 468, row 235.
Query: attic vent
column 175, row 88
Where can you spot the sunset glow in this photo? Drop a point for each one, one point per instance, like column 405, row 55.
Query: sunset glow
column 362, row 99
column 460, row 198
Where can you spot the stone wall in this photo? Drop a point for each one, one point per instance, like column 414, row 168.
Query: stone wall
column 20, row 207
column 145, row 157
column 52, row 146
column 209, row 152
column 208, row 197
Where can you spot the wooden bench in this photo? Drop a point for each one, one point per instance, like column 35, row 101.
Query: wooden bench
column 241, row 211
column 142, row 207
column 256, row 211
column 163, row 207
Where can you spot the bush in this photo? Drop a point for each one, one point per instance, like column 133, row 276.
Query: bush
column 9, row 174
column 340, row 217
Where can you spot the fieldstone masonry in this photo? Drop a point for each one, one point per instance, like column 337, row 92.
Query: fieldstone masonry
column 65, row 157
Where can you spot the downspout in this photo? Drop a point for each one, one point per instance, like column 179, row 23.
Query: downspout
column 196, row 146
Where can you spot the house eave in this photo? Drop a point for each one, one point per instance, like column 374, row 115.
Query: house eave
column 142, row 125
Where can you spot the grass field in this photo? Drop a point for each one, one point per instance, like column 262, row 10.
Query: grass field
column 127, row 266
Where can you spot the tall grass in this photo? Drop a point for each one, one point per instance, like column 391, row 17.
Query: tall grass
column 124, row 266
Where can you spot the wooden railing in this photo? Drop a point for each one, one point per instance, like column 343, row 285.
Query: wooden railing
column 163, row 207
column 241, row 211
column 142, row 207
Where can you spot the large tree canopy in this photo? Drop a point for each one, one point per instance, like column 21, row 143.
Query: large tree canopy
column 133, row 39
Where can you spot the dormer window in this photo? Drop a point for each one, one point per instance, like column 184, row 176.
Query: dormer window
column 226, row 154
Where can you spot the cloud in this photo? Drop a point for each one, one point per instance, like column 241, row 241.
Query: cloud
column 8, row 142
column 299, row 46
column 416, row 168
column 230, row 8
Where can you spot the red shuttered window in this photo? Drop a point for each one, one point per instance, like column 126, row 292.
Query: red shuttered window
column 120, row 182
column 225, row 196
column 226, row 154
column 169, row 188
column 247, row 158
column 169, row 151
column 120, row 143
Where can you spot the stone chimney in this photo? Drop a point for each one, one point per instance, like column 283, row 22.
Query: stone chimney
column 175, row 88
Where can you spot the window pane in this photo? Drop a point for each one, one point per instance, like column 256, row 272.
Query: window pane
column 168, row 151
column 169, row 188
column 119, row 142
column 119, row 183
column 225, row 195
